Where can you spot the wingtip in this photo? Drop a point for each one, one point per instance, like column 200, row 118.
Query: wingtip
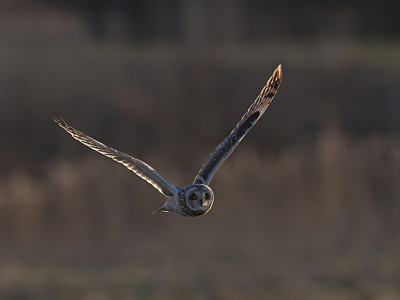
column 279, row 70
column 59, row 120
column 56, row 120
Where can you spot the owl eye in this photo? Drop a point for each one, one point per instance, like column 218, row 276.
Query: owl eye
column 194, row 197
column 206, row 197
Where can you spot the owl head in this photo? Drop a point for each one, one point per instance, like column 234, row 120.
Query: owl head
column 193, row 200
column 198, row 198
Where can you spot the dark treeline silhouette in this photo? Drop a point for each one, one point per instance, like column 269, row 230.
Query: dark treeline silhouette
column 239, row 19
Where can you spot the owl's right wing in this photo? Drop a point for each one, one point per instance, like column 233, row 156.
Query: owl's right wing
column 252, row 115
column 139, row 167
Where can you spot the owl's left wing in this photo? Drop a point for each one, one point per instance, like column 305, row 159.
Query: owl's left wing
column 139, row 167
column 253, row 114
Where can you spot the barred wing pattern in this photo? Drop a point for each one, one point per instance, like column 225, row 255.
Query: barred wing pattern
column 139, row 167
column 252, row 115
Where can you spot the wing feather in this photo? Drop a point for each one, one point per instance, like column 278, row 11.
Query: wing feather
column 139, row 167
column 252, row 115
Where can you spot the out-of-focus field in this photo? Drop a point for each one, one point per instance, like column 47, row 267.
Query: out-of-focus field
column 314, row 222
column 307, row 207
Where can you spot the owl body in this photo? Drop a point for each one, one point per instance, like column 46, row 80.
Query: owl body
column 197, row 198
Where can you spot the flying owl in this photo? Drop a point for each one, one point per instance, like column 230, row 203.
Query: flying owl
column 197, row 198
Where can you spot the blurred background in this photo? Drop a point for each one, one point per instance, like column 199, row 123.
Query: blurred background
column 307, row 207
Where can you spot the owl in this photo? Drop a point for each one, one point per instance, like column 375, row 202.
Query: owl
column 197, row 198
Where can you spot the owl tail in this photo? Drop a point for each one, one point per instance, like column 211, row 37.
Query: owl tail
column 167, row 207
column 162, row 208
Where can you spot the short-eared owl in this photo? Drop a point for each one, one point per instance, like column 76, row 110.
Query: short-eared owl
column 197, row 198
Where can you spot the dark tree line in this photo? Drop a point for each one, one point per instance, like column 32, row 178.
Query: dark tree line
column 199, row 20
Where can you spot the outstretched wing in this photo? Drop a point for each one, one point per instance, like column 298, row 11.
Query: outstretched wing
column 142, row 169
column 253, row 114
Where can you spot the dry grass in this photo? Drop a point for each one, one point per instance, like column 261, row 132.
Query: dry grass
column 315, row 222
